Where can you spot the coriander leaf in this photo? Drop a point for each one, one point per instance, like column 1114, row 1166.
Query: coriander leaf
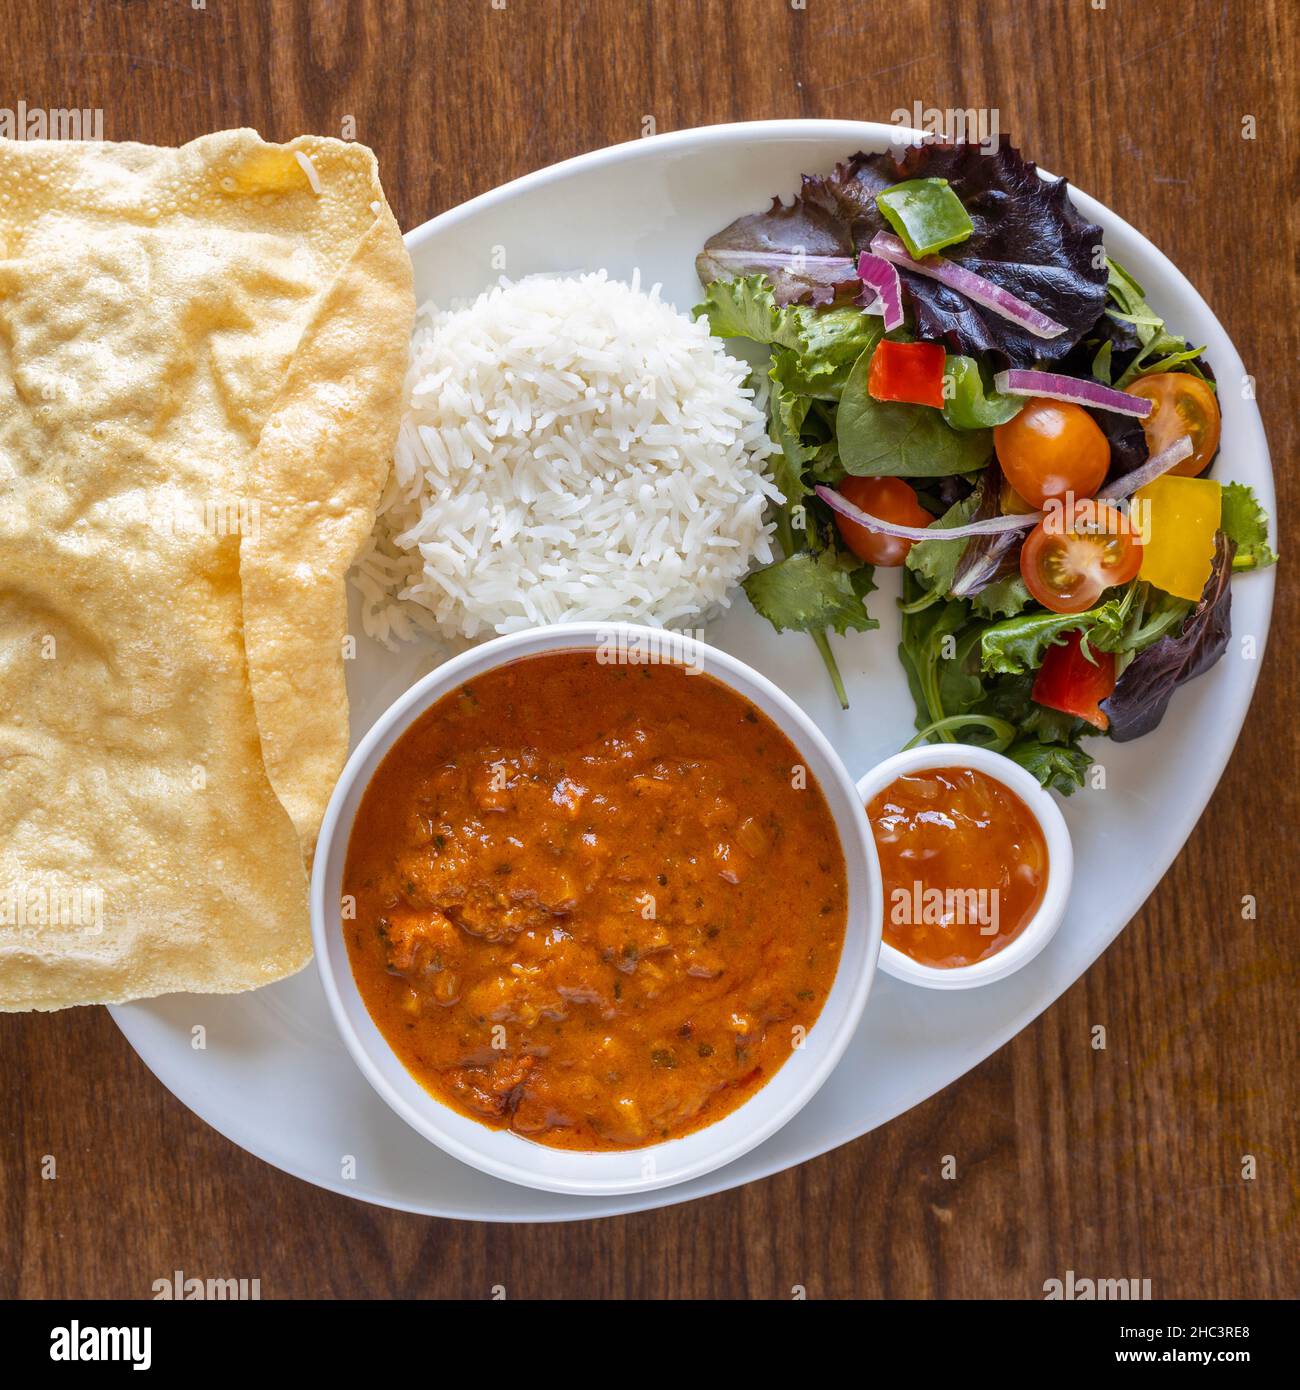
column 1059, row 767
column 890, row 439
column 1009, row 697
column 746, row 308
column 1053, row 725
column 1012, row 698
column 810, row 592
column 1243, row 521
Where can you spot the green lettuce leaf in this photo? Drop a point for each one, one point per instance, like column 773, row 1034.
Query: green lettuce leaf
column 1143, row 691
column 1244, row 521
column 746, row 308
column 941, row 654
column 813, row 349
column 834, row 340
column 786, row 415
column 1004, row 598
column 892, row 439
column 1019, row 644
column 983, row 569
column 1153, row 614
column 1159, row 350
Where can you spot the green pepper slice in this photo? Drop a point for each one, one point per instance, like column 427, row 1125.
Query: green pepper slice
column 969, row 402
column 926, row 213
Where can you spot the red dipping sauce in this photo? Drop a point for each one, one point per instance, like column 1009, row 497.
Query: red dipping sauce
column 964, row 863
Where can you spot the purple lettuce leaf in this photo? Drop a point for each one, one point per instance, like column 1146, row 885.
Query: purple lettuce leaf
column 1027, row 237
column 987, row 559
column 805, row 253
column 1128, row 442
column 1143, row 691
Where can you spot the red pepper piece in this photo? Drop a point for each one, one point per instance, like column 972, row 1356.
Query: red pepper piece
column 911, row 372
column 1068, row 681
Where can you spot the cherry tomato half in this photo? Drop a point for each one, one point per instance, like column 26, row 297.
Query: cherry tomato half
column 1071, row 556
column 1184, row 405
column 1050, row 449
column 891, row 499
column 1069, row 681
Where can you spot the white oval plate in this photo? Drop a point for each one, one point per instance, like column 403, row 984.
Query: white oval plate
column 274, row 1077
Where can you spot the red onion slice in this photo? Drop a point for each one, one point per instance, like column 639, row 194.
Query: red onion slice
column 880, row 276
column 1156, row 465
column 975, row 287
column 1020, row 381
column 990, row 526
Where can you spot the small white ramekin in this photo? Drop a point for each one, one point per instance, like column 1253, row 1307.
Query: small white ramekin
column 1060, row 863
column 508, row 1155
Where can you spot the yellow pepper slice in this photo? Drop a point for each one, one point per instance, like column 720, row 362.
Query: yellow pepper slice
column 1178, row 518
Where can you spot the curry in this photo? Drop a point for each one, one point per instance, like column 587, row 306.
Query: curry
column 596, row 904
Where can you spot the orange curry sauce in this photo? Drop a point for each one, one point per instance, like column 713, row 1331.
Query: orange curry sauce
column 964, row 862
column 597, row 904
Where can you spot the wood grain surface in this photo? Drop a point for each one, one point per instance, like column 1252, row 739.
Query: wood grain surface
column 1123, row 1162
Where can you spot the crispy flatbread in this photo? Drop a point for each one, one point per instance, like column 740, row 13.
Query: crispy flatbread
column 157, row 308
column 319, row 468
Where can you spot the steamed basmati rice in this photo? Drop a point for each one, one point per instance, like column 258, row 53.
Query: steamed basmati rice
column 572, row 449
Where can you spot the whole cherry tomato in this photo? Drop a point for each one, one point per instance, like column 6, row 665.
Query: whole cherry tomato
column 891, row 499
column 1051, row 449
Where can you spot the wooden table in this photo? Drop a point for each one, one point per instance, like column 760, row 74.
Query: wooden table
column 1124, row 1162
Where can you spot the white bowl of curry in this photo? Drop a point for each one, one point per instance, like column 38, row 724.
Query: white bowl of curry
column 596, row 908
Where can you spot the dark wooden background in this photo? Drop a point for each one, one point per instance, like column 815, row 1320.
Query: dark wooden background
column 1113, row 1164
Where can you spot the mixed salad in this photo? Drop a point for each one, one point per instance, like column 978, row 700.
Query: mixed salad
column 962, row 383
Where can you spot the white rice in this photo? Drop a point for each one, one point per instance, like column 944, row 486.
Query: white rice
column 572, row 449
